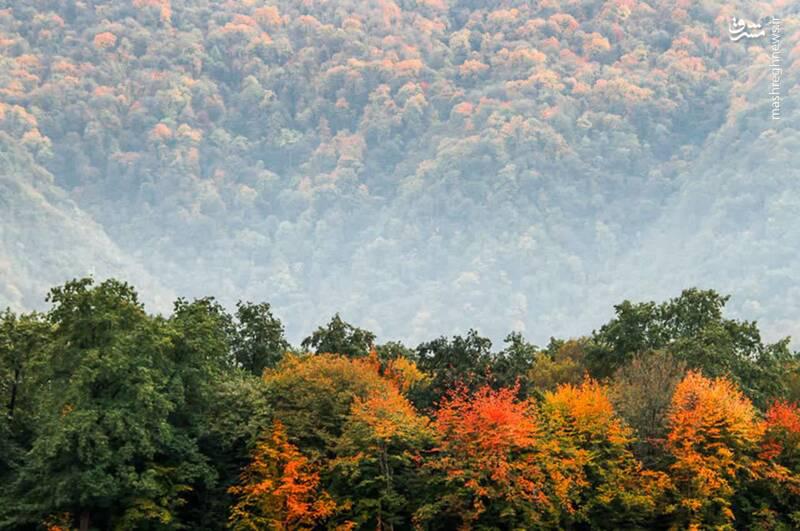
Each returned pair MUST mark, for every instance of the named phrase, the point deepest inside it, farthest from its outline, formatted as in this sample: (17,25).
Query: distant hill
(420,166)
(45,237)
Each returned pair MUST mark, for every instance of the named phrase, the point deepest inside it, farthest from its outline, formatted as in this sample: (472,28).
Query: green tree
(693,329)
(202,373)
(22,339)
(462,360)
(562,362)
(258,340)
(104,447)
(340,337)
(511,366)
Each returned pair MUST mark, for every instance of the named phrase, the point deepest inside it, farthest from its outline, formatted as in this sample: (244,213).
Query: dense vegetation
(407,162)
(670,415)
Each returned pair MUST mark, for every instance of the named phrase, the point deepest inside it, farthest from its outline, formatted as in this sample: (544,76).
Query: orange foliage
(163,6)
(714,429)
(105,40)
(782,430)
(63,66)
(589,409)
(464,108)
(588,456)
(408,67)
(785,416)
(240,24)
(268,16)
(279,488)
(487,448)
(58,522)
(549,112)
(472,67)
(103,90)
(503,16)
(564,21)
(388,415)
(161,132)
(596,44)
(389,10)
(192,135)
(309,22)
(487,424)
(527,56)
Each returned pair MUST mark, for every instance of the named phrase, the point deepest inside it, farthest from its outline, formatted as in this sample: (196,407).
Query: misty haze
(476,187)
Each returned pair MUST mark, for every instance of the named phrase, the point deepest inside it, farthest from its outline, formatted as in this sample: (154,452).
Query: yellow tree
(714,433)
(313,395)
(596,478)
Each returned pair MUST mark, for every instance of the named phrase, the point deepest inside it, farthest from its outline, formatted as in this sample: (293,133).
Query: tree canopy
(117,418)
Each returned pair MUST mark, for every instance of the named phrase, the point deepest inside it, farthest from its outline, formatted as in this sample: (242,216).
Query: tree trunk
(13,401)
(84,524)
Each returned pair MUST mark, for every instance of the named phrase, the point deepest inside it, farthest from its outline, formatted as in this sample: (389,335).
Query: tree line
(668,416)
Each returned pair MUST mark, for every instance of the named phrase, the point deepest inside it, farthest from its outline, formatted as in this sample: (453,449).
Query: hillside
(44,236)
(421,166)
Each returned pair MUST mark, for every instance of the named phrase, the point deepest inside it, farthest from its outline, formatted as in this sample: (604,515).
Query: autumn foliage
(279,488)
(563,459)
(601,482)
(209,420)
(488,454)
(714,435)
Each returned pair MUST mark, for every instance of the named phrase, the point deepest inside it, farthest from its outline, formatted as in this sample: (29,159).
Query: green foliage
(116,418)
(258,341)
(692,328)
(340,337)
(460,361)
(312,396)
(104,446)
(22,338)
(563,362)
(512,365)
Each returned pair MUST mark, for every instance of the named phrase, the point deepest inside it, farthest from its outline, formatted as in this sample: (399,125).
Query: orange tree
(377,459)
(487,462)
(358,427)
(714,436)
(774,499)
(279,488)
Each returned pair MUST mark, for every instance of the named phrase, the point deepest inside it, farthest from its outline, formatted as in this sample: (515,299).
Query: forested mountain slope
(419,165)
(44,236)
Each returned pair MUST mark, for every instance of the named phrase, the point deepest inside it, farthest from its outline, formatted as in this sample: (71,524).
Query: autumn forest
(671,415)
(399,264)
(421,166)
